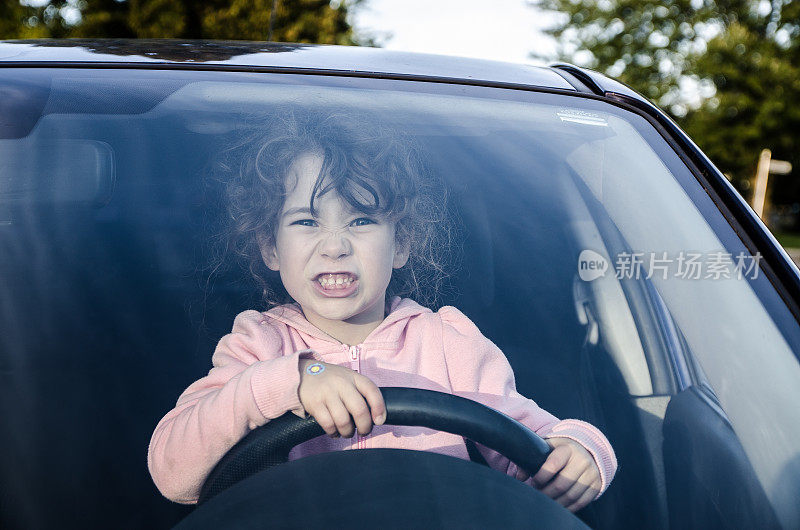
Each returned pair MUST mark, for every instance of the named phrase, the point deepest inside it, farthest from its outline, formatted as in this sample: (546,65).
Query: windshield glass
(582,246)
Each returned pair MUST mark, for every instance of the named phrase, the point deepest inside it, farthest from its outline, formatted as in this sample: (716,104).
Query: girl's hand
(335,396)
(569,475)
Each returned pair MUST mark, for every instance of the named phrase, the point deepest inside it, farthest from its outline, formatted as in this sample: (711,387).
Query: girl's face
(337,266)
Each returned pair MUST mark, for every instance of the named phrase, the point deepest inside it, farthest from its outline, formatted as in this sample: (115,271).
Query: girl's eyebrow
(301,209)
(306,209)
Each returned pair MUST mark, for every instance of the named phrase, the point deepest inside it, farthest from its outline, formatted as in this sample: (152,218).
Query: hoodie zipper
(355,362)
(355,365)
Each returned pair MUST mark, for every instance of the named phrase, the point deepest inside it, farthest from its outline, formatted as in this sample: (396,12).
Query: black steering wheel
(269,445)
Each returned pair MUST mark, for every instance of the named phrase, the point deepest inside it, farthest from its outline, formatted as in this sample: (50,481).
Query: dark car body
(105,317)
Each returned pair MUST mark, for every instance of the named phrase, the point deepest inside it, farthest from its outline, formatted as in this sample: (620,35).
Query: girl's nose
(335,245)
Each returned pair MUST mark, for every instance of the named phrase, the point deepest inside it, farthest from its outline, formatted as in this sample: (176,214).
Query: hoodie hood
(401,310)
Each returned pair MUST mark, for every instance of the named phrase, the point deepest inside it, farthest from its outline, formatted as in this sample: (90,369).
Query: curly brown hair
(361,156)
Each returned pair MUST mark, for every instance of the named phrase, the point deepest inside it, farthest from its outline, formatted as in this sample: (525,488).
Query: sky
(502,30)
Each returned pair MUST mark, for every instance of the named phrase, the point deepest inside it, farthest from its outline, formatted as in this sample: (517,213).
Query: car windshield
(585,248)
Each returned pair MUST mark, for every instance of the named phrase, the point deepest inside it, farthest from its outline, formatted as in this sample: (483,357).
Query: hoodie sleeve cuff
(593,441)
(274,384)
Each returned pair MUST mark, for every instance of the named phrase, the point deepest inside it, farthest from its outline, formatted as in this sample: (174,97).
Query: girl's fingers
(325,420)
(340,417)
(522,475)
(355,404)
(374,398)
(587,497)
(565,479)
(575,492)
(555,462)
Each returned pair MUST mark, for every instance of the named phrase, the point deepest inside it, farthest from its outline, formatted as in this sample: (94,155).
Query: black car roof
(350,59)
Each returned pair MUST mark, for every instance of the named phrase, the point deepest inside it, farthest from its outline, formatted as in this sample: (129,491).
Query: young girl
(339,219)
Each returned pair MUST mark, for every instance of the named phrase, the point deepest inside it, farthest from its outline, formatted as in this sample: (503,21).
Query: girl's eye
(362,221)
(304,222)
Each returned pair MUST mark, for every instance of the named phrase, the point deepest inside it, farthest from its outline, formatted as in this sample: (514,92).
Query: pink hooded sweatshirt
(255,378)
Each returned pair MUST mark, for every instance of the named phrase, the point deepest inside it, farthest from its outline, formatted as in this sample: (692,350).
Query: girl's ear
(268,253)
(401,253)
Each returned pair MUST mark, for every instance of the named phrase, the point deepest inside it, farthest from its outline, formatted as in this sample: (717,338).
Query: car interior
(113,303)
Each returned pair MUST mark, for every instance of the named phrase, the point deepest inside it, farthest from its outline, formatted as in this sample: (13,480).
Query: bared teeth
(335,281)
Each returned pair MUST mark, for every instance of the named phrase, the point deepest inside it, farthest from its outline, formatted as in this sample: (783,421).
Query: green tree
(755,106)
(12,18)
(744,55)
(305,21)
(18,21)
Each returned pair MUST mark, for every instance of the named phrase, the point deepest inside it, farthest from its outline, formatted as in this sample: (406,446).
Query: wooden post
(762,174)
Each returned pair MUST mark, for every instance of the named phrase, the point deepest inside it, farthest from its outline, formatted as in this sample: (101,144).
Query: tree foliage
(744,55)
(305,21)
